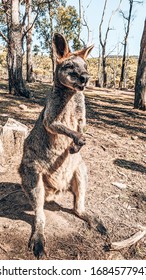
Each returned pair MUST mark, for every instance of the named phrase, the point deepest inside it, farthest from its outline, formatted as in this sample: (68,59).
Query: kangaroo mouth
(79,87)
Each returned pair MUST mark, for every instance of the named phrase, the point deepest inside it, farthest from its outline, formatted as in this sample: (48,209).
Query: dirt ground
(115,153)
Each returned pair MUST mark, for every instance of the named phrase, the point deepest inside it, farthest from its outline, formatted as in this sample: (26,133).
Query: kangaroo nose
(84,78)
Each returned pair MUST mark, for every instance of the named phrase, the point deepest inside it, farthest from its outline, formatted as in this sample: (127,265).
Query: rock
(23,107)
(134,137)
(12,136)
(119,185)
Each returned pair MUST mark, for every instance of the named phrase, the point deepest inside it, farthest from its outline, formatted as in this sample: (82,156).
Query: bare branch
(86,25)
(123,15)
(3,36)
(88,4)
(138,2)
(41,3)
(115,48)
(113,13)
(100,26)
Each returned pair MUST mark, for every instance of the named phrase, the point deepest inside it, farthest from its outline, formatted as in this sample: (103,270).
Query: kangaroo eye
(73,75)
(68,66)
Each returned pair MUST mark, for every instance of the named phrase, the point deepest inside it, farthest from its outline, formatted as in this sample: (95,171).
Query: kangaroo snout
(84,78)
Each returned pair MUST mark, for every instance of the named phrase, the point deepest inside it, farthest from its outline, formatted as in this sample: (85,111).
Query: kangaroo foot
(100,227)
(37,245)
(93,222)
(85,217)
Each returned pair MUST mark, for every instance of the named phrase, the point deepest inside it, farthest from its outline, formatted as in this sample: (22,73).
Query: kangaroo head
(71,68)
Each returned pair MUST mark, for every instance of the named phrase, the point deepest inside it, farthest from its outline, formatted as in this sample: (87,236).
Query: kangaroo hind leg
(33,186)
(78,187)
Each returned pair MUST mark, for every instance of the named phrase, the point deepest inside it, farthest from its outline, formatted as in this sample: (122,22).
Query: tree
(140,85)
(44,26)
(15,34)
(14,44)
(68,23)
(55,16)
(127,29)
(128,20)
(103,42)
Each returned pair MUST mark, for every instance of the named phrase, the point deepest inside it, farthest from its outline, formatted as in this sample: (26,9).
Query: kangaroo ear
(60,46)
(85,52)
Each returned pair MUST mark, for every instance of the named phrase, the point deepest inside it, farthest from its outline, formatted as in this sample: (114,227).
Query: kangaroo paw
(74,149)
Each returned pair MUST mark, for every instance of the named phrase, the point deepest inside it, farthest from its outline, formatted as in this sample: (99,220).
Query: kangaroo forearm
(60,129)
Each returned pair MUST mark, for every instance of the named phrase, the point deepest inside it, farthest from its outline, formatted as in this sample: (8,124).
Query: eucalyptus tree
(14,39)
(140,84)
(14,35)
(103,41)
(128,18)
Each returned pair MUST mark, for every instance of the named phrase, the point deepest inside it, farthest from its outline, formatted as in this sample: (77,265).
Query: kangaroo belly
(58,179)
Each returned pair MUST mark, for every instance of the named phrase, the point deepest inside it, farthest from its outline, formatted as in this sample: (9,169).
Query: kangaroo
(51,161)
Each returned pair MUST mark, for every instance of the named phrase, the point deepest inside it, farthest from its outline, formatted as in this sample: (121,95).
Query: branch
(3,36)
(128,242)
(115,48)
(37,13)
(123,15)
(26,31)
(113,13)
(88,4)
(86,25)
(24,18)
(138,2)
(100,26)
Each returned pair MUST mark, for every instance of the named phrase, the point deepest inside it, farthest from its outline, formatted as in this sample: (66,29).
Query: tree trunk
(104,73)
(50,41)
(14,56)
(123,66)
(125,43)
(140,85)
(29,65)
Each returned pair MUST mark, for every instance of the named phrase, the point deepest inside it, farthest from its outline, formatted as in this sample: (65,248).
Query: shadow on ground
(116,115)
(130,165)
(15,207)
(9,104)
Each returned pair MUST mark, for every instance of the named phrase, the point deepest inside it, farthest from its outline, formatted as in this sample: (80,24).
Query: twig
(2,248)
(3,36)
(112,196)
(91,135)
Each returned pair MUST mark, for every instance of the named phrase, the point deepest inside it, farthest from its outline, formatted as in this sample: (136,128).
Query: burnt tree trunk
(140,84)
(14,55)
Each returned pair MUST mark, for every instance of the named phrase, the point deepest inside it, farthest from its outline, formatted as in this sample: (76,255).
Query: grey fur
(51,160)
